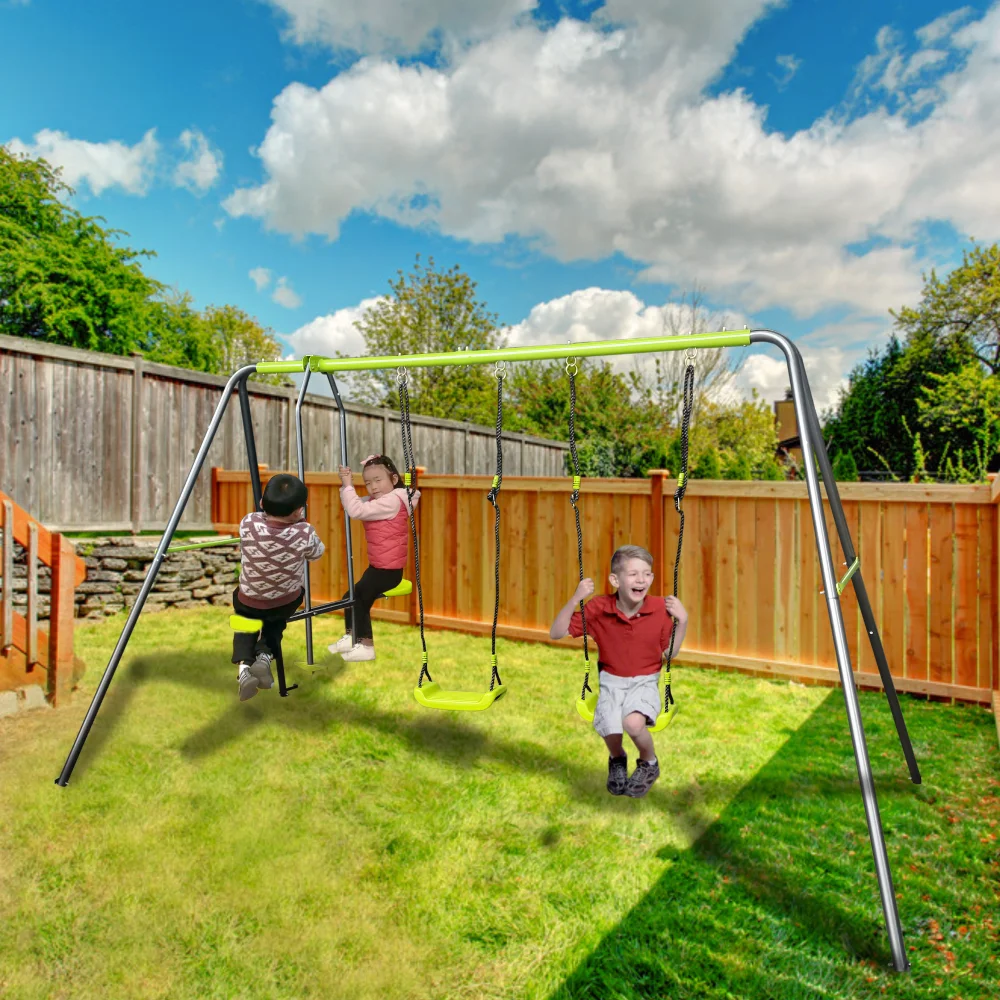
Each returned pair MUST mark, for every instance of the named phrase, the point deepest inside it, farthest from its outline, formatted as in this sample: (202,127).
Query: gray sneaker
(248,683)
(617,774)
(261,669)
(642,779)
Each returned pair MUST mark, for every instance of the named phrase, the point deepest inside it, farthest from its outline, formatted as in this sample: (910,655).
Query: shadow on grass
(778,897)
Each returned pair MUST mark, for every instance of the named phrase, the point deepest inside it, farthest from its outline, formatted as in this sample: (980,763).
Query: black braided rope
(411,469)
(668,698)
(492,497)
(573,499)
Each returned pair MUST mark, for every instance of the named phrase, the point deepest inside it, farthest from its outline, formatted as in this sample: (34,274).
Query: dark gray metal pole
(854,721)
(147,584)
(871,626)
(342,416)
(249,438)
(300,455)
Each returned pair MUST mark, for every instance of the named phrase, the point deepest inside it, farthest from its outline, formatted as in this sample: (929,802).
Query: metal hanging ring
(401,375)
(500,370)
(571,367)
(692,355)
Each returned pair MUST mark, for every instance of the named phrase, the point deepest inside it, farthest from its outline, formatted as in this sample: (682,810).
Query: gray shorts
(621,696)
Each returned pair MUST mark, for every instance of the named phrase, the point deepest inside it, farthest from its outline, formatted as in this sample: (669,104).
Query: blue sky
(587,163)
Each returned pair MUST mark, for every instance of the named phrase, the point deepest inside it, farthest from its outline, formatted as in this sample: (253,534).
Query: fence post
(414,605)
(995,651)
(62,608)
(657,478)
(135,493)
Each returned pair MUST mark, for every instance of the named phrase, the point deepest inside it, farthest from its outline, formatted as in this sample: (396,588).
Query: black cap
(283,495)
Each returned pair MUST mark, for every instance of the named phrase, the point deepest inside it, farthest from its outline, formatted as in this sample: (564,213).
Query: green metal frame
(590,349)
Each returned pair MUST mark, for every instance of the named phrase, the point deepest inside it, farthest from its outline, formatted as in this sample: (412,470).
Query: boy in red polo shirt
(632,632)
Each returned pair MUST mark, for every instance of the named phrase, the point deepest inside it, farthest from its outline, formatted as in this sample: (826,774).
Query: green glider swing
(586,704)
(431,694)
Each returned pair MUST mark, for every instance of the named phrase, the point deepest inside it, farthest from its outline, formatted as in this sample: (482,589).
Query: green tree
(179,335)
(63,278)
(964,307)
(241,340)
(430,311)
(770,470)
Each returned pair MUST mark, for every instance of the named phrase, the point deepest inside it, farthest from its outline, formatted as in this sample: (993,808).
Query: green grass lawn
(345,843)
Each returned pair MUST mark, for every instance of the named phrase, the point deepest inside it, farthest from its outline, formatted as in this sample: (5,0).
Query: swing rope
(574,497)
(410,481)
(682,481)
(500,373)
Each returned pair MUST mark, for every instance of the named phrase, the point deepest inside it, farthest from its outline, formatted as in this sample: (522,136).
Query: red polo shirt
(628,647)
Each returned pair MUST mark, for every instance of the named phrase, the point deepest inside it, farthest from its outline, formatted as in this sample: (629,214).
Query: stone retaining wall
(116,568)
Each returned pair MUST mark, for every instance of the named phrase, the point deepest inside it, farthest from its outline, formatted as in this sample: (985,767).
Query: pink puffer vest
(387,539)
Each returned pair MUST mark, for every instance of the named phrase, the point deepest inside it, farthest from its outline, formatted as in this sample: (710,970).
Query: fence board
(893,627)
(966,570)
(917,591)
(942,532)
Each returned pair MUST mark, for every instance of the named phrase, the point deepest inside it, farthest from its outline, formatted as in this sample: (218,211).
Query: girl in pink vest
(387,527)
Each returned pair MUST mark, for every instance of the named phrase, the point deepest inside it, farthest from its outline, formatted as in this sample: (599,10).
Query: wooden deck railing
(28,653)
(749,577)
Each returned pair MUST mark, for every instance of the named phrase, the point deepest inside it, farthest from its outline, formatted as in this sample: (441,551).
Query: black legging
(246,645)
(373,583)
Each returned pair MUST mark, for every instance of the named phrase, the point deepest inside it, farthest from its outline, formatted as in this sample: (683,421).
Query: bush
(771,471)
(738,467)
(708,465)
(845,469)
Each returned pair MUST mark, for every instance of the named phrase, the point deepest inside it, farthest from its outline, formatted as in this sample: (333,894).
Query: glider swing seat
(428,692)
(586,704)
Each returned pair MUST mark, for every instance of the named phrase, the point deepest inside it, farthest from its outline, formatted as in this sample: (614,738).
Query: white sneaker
(344,645)
(248,683)
(360,652)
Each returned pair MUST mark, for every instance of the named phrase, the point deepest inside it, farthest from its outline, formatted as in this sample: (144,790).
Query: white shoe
(360,652)
(344,645)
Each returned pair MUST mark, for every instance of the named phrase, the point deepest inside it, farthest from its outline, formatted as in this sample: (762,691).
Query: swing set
(429,692)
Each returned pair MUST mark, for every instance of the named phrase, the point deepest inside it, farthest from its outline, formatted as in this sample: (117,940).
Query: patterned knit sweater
(274,555)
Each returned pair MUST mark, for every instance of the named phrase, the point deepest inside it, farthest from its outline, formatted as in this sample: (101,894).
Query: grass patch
(343,842)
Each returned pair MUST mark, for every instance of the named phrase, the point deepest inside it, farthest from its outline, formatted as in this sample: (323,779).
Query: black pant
(246,645)
(373,583)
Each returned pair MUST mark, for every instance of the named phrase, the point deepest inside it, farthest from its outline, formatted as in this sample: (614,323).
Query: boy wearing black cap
(275,544)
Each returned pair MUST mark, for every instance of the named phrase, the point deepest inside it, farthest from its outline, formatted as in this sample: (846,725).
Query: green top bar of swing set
(543,352)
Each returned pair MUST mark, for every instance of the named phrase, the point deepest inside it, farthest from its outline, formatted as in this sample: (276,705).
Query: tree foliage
(925,405)
(429,311)
(63,277)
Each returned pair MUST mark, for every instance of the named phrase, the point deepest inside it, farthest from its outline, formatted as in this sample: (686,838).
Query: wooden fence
(98,442)
(28,654)
(749,576)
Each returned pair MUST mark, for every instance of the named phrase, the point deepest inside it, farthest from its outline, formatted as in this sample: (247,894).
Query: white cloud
(789,66)
(203,165)
(285,295)
(261,277)
(99,165)
(590,140)
(332,334)
(396,26)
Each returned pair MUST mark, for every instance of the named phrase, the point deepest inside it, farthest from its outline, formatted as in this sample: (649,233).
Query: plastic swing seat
(402,589)
(432,695)
(587,706)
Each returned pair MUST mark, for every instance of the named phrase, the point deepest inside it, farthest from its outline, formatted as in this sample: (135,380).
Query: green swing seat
(432,695)
(402,589)
(588,705)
